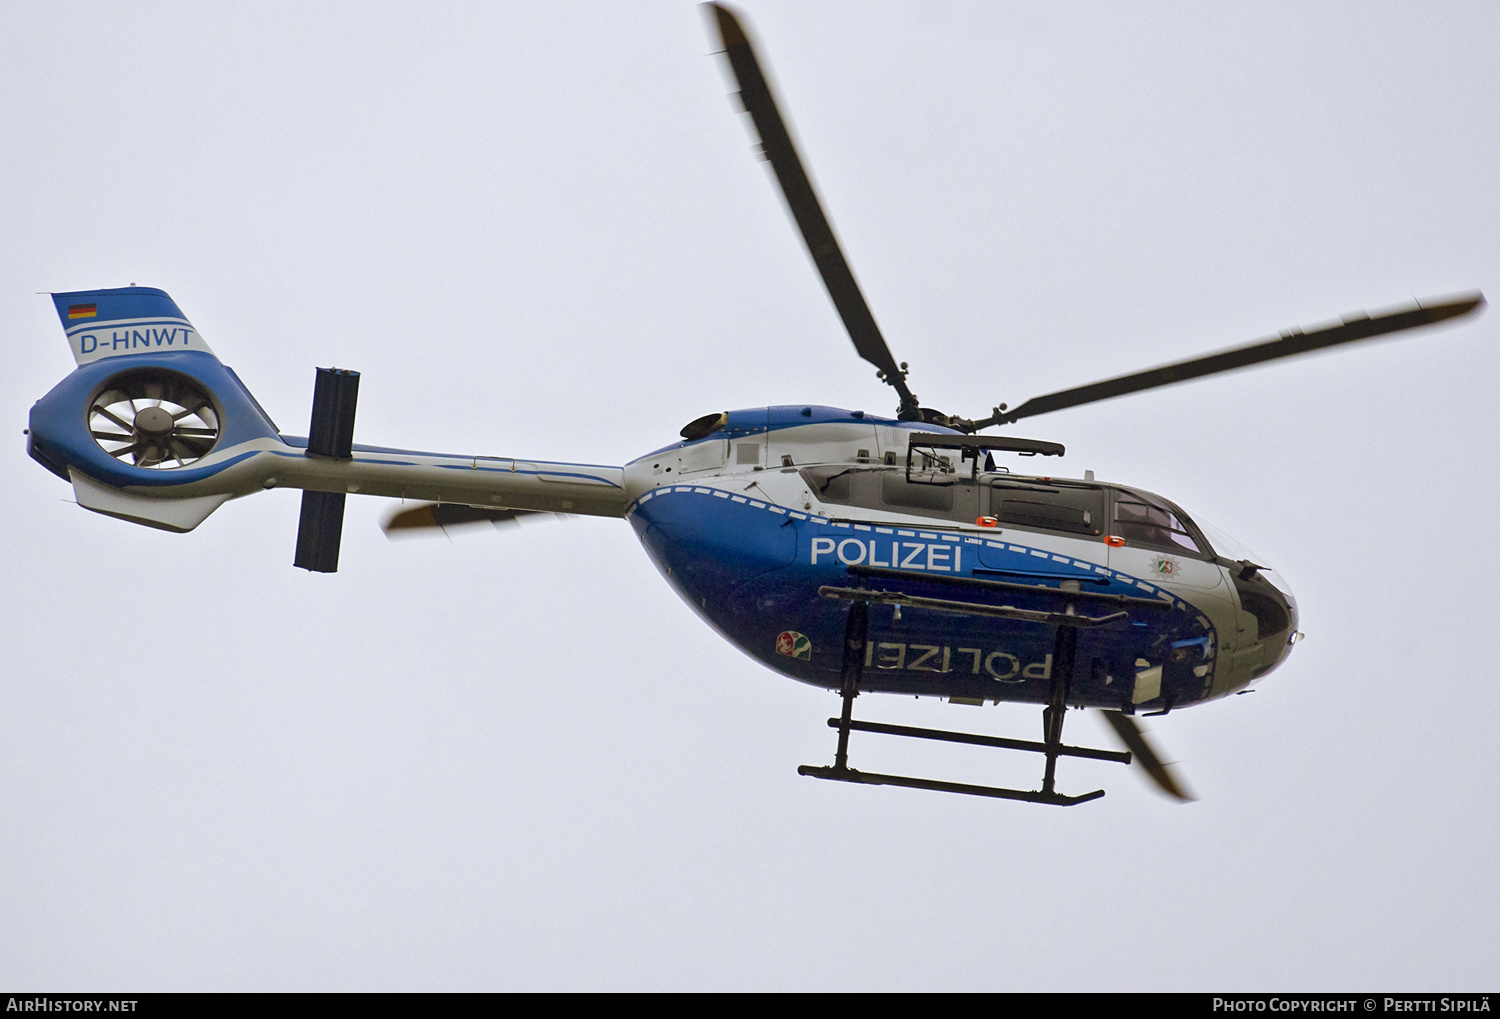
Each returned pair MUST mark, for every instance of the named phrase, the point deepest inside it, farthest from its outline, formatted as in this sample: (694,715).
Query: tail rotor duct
(153,418)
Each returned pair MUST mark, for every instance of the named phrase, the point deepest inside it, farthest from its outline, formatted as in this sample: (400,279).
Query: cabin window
(1053,507)
(1148,520)
(926,494)
(917,494)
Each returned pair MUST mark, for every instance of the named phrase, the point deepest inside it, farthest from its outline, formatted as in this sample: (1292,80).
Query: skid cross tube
(856,630)
(1002,742)
(1064,652)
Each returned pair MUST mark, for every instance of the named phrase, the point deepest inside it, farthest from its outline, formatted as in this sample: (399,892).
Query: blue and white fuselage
(747,521)
(746,526)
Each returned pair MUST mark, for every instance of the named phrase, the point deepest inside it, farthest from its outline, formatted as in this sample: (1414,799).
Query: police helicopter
(857,553)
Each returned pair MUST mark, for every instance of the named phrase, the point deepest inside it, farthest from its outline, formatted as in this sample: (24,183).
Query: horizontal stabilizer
(320,532)
(331,435)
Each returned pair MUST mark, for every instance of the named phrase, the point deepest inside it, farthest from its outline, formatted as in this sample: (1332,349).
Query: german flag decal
(82,310)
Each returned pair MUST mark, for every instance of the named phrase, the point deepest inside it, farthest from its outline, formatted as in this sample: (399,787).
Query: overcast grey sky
(515,760)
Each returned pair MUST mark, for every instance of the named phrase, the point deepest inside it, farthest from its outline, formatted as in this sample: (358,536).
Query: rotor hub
(153,423)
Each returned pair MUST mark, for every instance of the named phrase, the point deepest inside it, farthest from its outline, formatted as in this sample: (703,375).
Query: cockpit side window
(1148,520)
(832,484)
(1075,509)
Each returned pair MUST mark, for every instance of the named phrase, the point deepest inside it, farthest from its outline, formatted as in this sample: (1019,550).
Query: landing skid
(873,778)
(841,772)
(1052,746)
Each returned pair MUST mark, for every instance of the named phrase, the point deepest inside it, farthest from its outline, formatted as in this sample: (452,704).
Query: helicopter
(852,552)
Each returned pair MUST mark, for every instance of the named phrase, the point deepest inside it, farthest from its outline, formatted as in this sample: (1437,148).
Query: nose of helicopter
(1264,595)
(1275,609)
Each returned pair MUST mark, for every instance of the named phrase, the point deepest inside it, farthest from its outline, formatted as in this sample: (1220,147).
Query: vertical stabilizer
(125,320)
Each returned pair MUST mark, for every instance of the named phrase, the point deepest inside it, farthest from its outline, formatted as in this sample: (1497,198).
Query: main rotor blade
(1134,739)
(442,515)
(1288,344)
(797,189)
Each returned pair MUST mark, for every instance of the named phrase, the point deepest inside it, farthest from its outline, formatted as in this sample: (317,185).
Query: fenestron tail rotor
(154,418)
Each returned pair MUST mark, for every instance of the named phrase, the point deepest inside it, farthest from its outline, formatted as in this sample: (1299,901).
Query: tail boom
(151,427)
